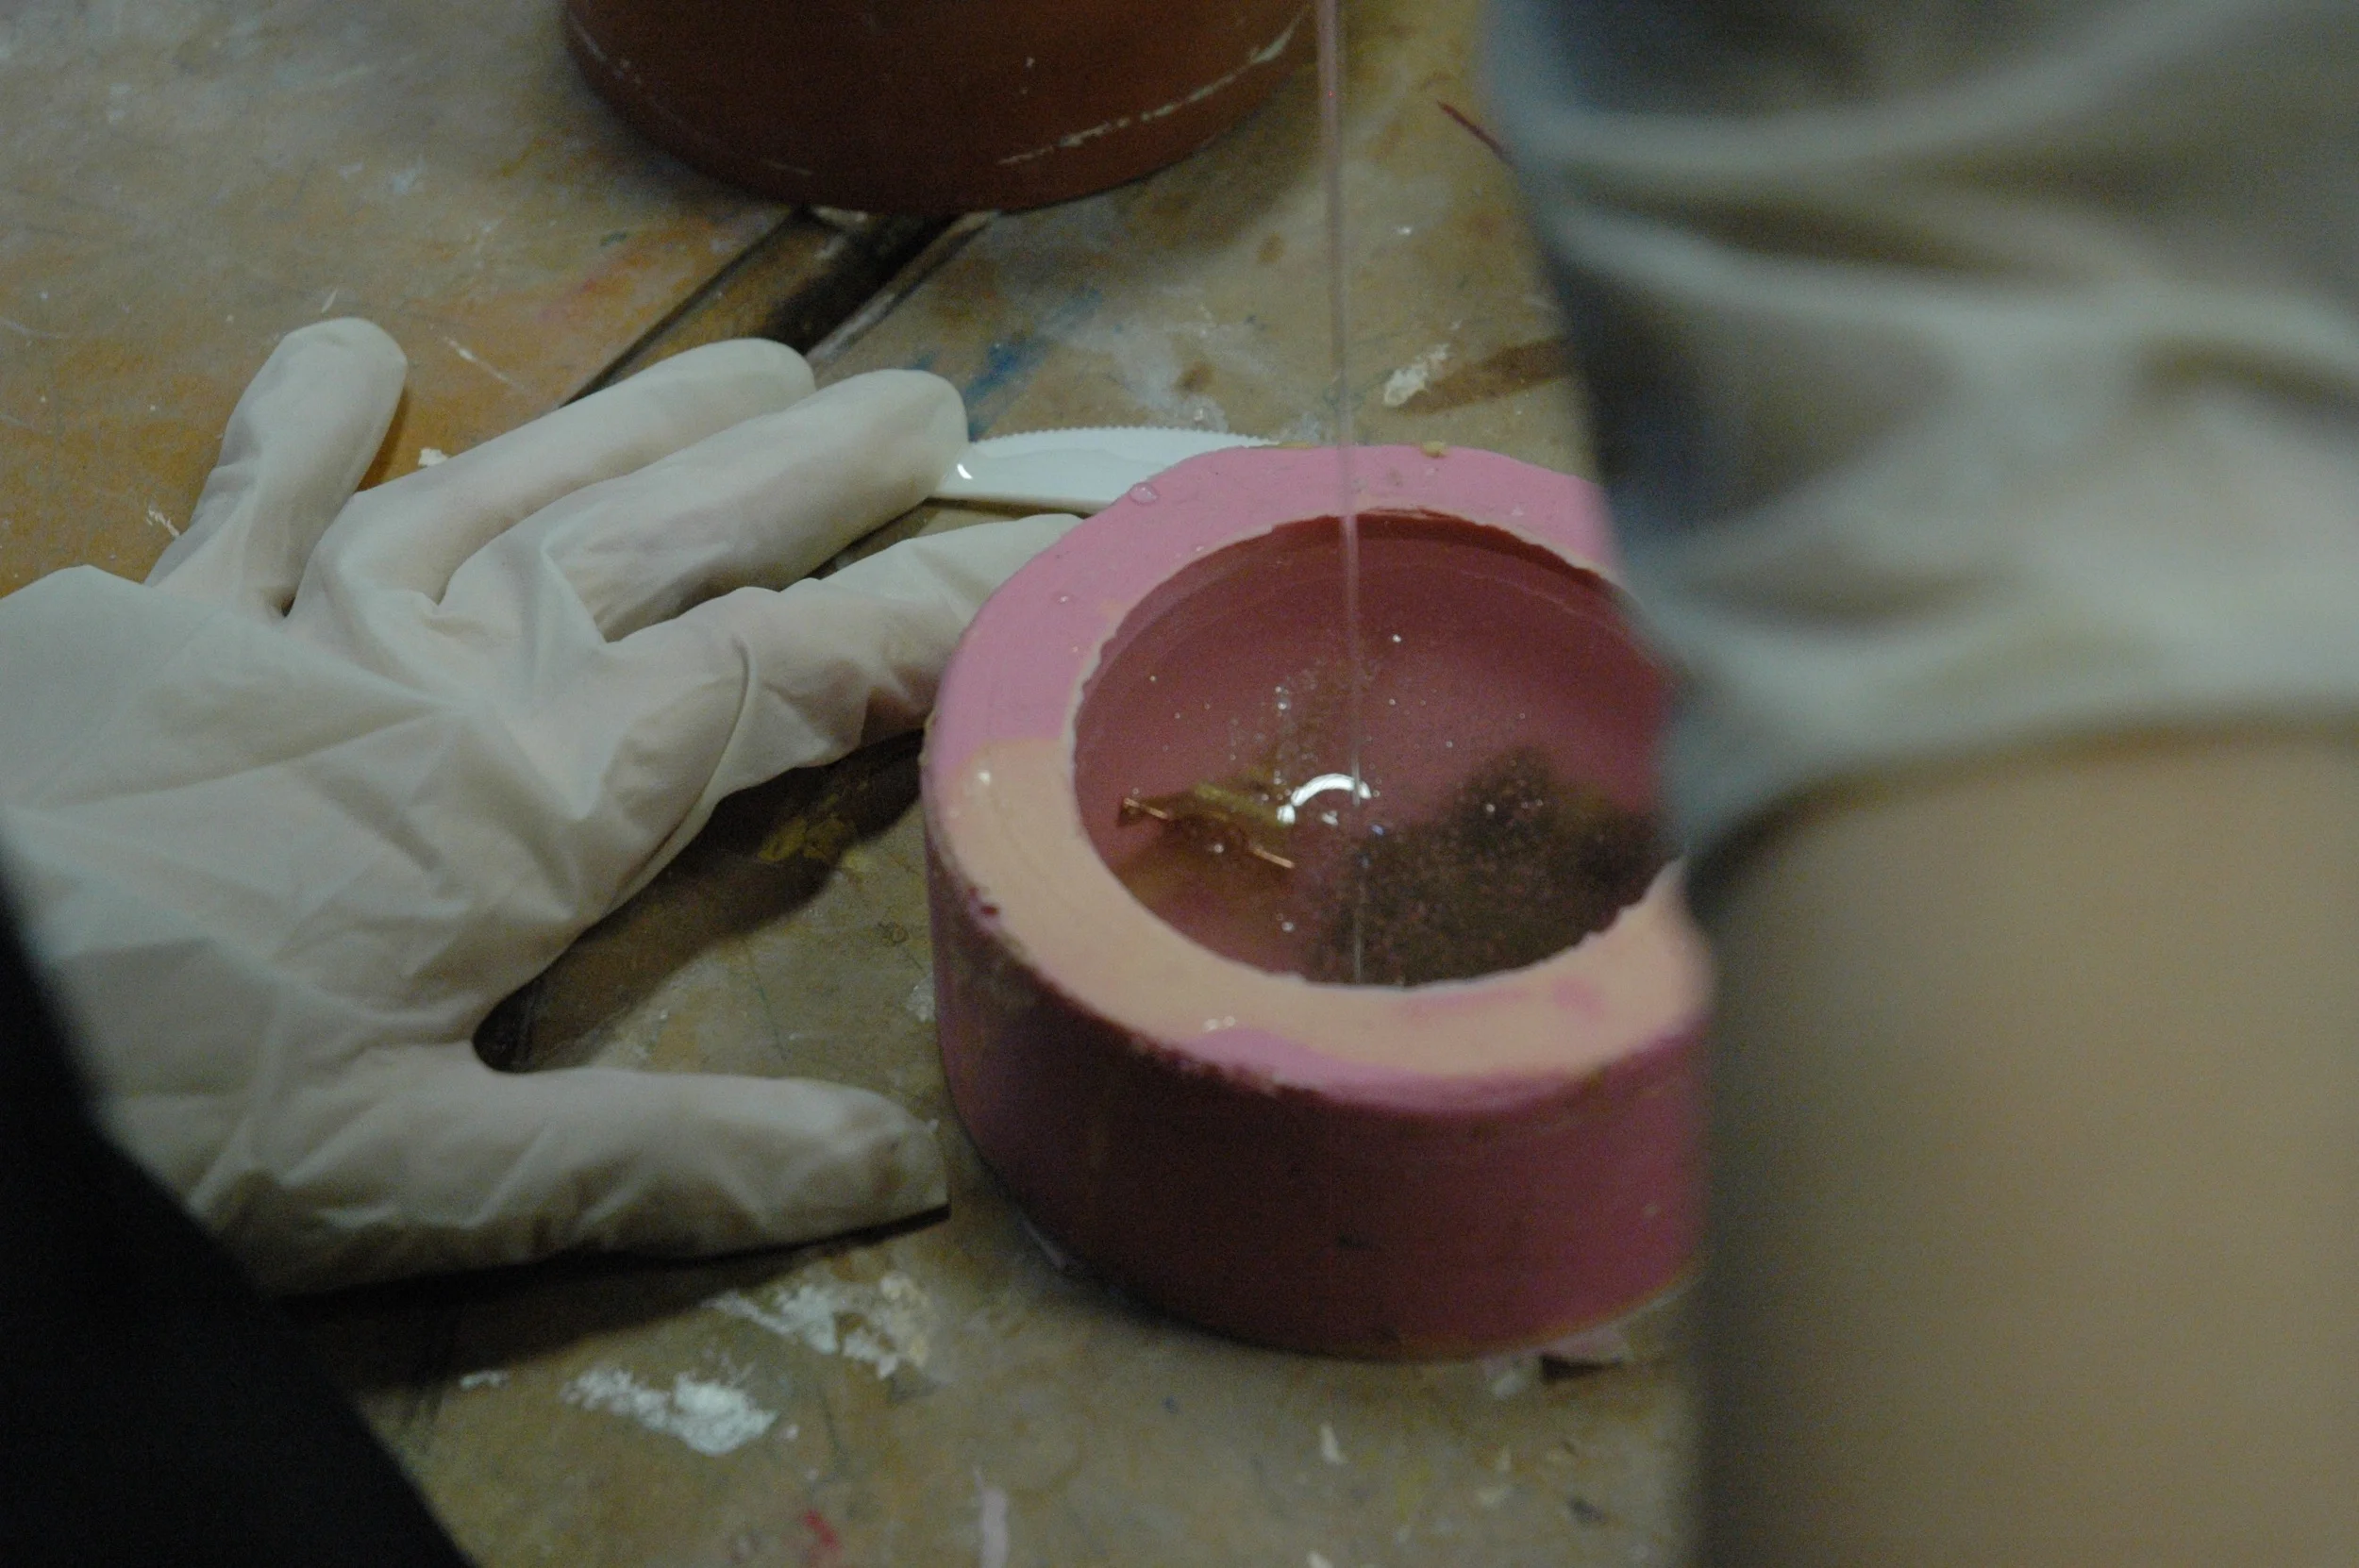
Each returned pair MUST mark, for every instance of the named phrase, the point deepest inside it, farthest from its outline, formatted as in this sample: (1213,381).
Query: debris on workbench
(1414,377)
(1510,1375)
(890,1332)
(1063,1261)
(992,1524)
(711,1418)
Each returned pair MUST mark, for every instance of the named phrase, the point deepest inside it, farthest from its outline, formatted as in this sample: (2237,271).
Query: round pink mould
(1437,1170)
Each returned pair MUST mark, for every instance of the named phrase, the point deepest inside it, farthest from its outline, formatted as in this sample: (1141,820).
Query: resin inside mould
(1507,767)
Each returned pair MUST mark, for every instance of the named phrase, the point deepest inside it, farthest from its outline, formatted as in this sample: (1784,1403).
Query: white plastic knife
(1078,470)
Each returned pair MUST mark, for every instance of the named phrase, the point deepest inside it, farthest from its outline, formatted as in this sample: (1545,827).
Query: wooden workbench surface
(186,180)
(183,181)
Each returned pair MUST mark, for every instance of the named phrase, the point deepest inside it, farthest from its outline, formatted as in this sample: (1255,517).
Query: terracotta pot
(934,105)
(1442,1169)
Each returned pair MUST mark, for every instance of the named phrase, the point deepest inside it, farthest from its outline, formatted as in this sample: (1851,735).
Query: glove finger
(301,436)
(763,503)
(451,1165)
(414,532)
(756,682)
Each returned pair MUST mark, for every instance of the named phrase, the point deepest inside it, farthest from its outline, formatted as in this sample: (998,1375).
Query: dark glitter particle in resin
(1519,865)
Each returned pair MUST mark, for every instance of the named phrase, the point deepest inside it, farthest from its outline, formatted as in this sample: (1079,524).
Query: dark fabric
(156,1409)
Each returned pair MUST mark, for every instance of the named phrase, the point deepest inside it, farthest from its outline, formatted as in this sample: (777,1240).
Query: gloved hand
(290,818)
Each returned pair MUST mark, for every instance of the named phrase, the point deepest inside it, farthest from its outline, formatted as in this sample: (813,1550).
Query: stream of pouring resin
(1330,31)
(1290,863)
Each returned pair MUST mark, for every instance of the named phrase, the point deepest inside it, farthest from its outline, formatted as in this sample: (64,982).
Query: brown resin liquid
(1516,864)
(1507,786)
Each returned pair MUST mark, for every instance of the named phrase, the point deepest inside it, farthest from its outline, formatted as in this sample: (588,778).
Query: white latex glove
(289,819)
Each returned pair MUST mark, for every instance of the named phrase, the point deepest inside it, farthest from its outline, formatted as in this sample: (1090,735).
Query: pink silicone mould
(1440,1170)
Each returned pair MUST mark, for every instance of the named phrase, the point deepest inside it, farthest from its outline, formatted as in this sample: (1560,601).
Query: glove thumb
(456,1166)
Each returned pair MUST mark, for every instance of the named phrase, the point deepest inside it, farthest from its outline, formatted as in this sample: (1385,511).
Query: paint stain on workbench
(1006,363)
(1009,362)
(825,1545)
(1509,370)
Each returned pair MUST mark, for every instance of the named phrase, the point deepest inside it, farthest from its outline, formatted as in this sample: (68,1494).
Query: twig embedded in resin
(1256,812)
(1252,813)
